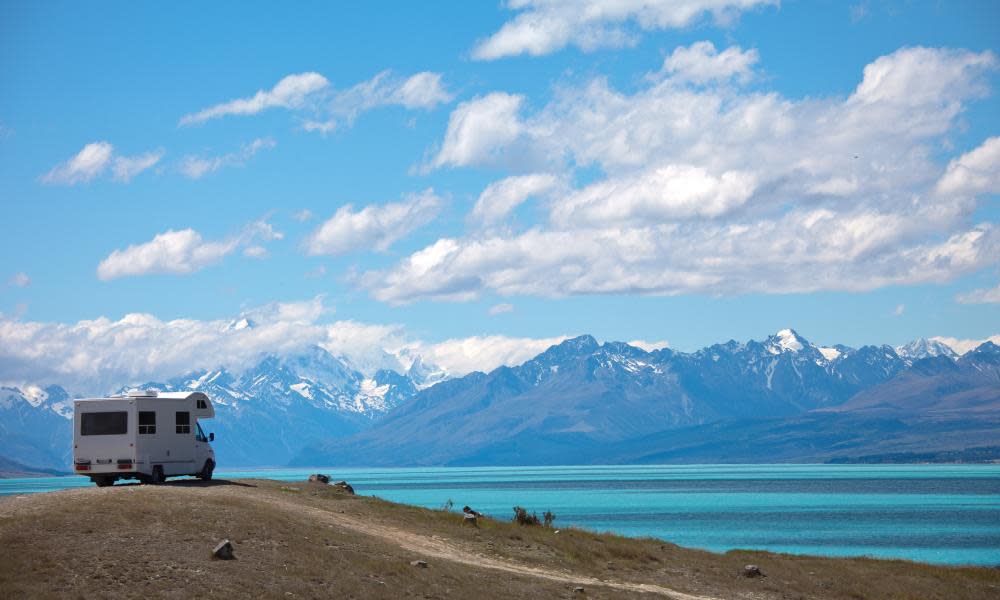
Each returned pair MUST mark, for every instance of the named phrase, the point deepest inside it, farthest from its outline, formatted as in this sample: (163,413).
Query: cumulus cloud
(545,26)
(973,173)
(481,130)
(196,167)
(483,353)
(701,62)
(499,309)
(179,252)
(19,279)
(980,296)
(961,346)
(292,91)
(373,227)
(90,162)
(703,187)
(501,197)
(101,355)
(664,193)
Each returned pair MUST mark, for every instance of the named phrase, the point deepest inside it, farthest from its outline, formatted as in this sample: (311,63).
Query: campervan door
(165,436)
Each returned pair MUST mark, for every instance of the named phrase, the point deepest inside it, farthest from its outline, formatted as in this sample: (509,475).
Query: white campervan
(145,435)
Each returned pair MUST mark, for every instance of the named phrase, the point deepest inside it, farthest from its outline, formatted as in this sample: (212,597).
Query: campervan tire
(104,481)
(157,477)
(206,471)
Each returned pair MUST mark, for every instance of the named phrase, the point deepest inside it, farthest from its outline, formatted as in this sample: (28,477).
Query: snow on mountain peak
(787,340)
(925,348)
(829,353)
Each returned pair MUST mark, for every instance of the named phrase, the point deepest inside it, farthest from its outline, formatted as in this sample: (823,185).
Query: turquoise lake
(948,514)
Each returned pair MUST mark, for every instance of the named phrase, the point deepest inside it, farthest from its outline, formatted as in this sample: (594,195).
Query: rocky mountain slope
(584,402)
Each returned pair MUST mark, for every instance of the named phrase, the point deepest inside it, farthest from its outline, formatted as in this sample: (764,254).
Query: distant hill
(10,468)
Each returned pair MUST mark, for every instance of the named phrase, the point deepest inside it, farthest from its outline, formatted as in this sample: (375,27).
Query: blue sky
(681,162)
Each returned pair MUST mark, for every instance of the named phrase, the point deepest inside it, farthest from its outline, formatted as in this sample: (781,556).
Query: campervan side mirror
(211,437)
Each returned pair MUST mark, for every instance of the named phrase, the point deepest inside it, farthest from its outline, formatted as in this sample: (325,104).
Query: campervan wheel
(157,477)
(206,471)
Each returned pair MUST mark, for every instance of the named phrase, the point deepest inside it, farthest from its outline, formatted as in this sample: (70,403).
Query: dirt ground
(306,540)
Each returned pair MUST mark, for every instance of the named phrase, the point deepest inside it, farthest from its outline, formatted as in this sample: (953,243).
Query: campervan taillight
(125,463)
(82,465)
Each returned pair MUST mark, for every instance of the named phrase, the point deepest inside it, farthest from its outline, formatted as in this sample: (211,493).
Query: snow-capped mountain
(573,402)
(268,412)
(925,348)
(583,401)
(35,425)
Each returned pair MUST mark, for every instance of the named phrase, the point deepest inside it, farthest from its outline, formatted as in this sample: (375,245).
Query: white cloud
(712,189)
(545,26)
(19,279)
(312,94)
(100,355)
(502,197)
(480,130)
(702,63)
(303,215)
(649,346)
(980,296)
(899,310)
(181,252)
(94,159)
(961,346)
(664,193)
(483,353)
(973,173)
(374,226)
(196,167)
(499,309)
(127,167)
(423,90)
(86,165)
(293,91)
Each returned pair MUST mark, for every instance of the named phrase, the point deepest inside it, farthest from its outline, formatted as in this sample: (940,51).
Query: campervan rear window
(103,423)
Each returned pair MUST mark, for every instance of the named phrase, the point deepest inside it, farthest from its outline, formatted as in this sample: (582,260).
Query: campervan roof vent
(142,393)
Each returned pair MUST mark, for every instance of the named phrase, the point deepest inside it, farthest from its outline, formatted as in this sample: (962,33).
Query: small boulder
(319,478)
(752,571)
(224,551)
(419,563)
(579,589)
(345,486)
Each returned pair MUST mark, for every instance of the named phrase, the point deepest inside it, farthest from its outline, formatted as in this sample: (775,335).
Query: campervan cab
(145,435)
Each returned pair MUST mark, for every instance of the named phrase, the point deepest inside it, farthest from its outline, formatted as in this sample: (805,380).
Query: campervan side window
(104,423)
(202,405)
(147,422)
(184,422)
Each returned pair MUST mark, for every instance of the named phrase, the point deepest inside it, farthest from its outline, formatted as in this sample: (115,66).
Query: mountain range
(777,400)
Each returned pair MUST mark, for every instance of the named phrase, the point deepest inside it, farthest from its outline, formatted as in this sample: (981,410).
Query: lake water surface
(946,514)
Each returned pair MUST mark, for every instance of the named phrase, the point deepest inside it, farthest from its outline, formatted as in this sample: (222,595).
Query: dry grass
(302,540)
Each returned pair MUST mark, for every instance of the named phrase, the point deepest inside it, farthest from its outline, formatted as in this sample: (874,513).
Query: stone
(579,589)
(319,478)
(752,571)
(224,551)
(419,563)
(345,486)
